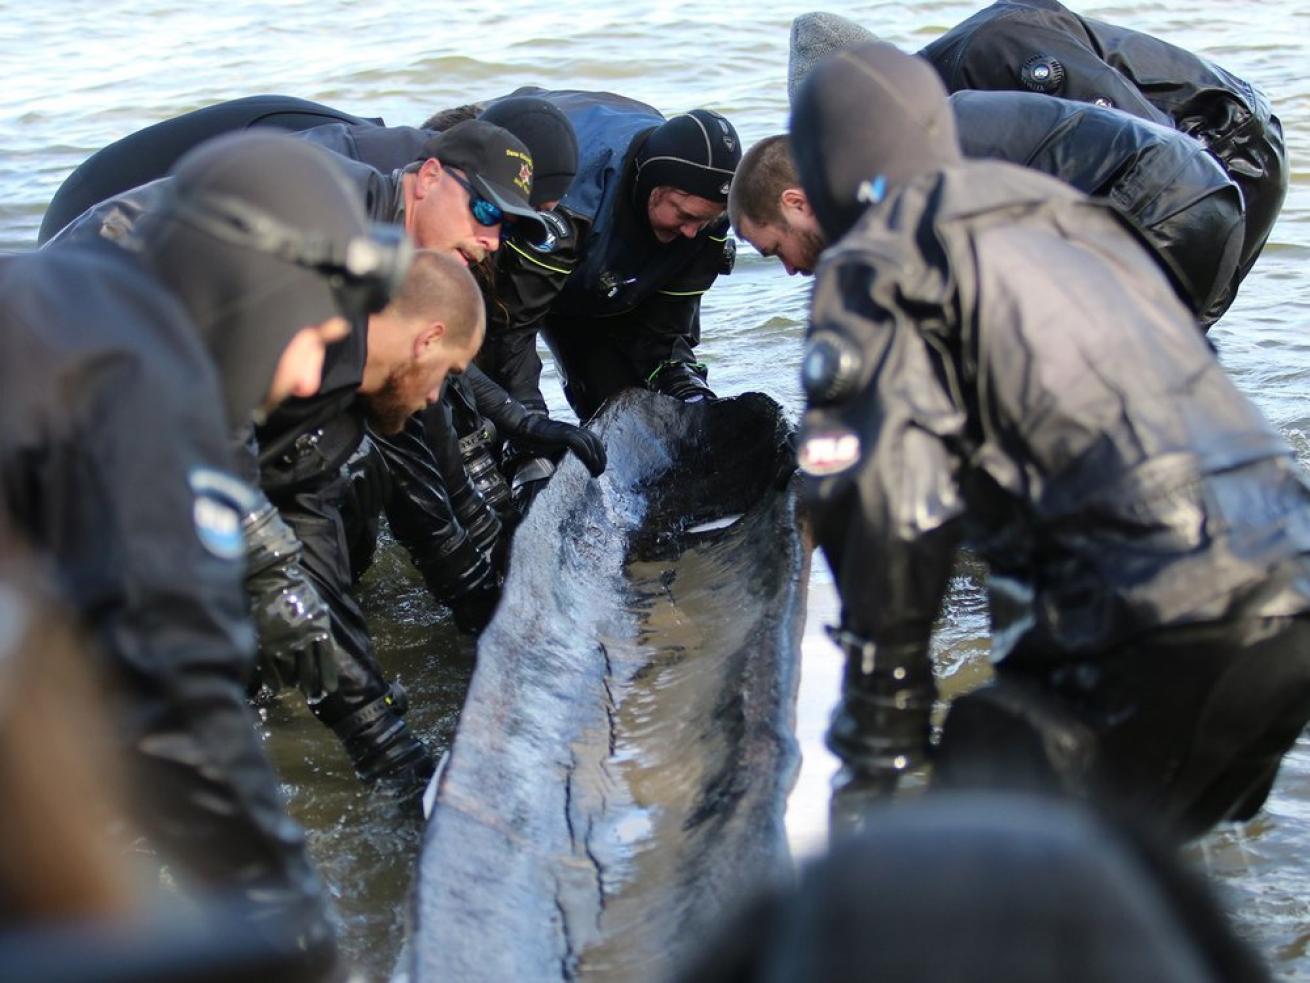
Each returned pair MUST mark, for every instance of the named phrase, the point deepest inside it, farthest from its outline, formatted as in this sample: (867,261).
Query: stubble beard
(389,408)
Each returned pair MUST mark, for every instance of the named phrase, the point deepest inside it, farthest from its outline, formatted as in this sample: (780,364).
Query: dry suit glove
(530,478)
(539,432)
(296,647)
(473,611)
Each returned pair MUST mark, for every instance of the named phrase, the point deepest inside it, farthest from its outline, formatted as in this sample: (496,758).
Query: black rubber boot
(381,746)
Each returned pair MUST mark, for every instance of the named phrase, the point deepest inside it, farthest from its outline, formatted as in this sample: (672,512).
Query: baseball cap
(496,162)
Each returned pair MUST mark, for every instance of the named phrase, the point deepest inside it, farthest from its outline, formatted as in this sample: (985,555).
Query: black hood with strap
(865,120)
(248,303)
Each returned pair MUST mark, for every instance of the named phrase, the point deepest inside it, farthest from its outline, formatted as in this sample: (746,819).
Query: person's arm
(535,432)
(423,519)
(662,332)
(294,628)
(525,278)
(881,485)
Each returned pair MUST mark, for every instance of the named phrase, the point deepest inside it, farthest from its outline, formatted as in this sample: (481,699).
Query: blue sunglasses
(484,212)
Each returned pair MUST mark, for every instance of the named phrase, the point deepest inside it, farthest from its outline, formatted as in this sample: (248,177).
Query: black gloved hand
(530,479)
(540,432)
(296,647)
(473,611)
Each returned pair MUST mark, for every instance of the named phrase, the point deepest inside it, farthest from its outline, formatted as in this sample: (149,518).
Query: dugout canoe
(620,770)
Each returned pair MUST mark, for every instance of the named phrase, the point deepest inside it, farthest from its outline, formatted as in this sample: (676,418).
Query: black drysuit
(115,464)
(1017,376)
(148,153)
(617,307)
(1043,46)
(302,449)
(1166,183)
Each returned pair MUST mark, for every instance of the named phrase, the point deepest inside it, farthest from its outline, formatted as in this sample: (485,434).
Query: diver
(491,434)
(988,887)
(1162,181)
(302,447)
(634,242)
(395,151)
(379,387)
(119,397)
(994,361)
(148,153)
(520,283)
(615,284)
(1042,46)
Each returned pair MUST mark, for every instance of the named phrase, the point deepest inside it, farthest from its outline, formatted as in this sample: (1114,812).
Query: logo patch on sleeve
(216,511)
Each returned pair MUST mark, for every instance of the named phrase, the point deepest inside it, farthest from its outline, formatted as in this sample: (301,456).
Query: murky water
(80,74)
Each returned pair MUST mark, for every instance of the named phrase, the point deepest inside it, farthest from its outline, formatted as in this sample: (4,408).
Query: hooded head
(866,120)
(256,241)
(696,152)
(1025,889)
(549,137)
(815,36)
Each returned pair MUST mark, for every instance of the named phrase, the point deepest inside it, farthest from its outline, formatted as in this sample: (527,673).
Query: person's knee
(1011,735)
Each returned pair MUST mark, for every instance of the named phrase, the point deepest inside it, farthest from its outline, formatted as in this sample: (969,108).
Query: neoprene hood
(248,304)
(548,135)
(866,120)
(814,36)
(697,152)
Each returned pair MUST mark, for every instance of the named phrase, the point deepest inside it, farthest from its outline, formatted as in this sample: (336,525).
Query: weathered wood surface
(622,762)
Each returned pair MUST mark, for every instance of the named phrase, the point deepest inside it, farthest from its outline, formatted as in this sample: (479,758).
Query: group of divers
(252,330)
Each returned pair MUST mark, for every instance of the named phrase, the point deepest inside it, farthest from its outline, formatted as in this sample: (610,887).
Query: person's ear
(428,176)
(793,199)
(429,339)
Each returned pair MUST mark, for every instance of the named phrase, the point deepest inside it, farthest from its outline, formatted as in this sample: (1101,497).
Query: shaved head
(440,287)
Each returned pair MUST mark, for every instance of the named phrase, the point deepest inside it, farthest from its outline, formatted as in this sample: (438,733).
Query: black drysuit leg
(364,712)
(421,516)
(210,797)
(1187,727)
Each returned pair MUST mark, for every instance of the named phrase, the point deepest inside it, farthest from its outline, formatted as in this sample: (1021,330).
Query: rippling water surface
(81,74)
